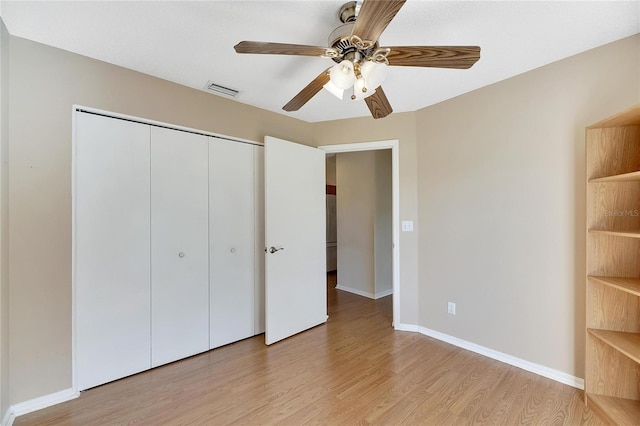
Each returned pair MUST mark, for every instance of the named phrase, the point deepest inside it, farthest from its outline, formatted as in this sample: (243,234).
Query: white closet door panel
(258,160)
(232,222)
(112,243)
(179,245)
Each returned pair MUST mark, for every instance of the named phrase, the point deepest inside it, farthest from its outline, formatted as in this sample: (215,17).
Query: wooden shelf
(617,411)
(625,343)
(628,234)
(626,284)
(625,177)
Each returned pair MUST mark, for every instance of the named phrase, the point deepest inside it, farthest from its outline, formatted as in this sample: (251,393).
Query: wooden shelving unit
(612,376)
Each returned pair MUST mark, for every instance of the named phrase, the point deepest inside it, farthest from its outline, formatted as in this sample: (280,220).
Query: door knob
(275,249)
(181,254)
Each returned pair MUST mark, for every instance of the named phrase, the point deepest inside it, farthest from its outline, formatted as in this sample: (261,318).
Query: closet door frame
(394,146)
(81,109)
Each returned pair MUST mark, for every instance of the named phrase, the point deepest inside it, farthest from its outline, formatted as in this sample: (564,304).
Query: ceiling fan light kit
(343,74)
(361,64)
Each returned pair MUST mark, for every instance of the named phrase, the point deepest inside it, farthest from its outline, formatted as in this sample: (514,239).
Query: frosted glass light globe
(335,91)
(373,73)
(342,75)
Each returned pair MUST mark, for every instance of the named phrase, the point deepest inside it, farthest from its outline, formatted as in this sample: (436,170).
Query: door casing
(394,145)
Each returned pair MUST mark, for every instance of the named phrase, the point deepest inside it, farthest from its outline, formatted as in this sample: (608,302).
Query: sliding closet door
(231,212)
(112,249)
(179,245)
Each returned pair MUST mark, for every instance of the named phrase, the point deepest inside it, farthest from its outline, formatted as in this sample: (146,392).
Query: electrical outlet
(451,308)
(407,226)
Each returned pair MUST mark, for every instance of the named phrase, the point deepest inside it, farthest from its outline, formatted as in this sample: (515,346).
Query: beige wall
(502,204)
(383,222)
(400,126)
(45,83)
(364,218)
(4,219)
(355,209)
(330,170)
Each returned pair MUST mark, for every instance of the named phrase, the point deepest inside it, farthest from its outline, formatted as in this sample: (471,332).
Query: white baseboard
(8,418)
(365,293)
(384,293)
(407,327)
(39,403)
(532,367)
(355,291)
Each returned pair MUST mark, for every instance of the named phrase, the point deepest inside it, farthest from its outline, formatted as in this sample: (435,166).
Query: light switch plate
(407,226)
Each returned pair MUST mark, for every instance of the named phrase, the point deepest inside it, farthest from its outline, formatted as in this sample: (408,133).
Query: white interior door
(295,271)
(179,245)
(112,249)
(231,200)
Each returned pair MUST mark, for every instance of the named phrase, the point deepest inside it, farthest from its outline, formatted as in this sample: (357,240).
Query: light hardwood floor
(354,370)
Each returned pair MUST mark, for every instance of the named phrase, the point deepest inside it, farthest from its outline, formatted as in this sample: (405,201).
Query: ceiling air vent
(217,89)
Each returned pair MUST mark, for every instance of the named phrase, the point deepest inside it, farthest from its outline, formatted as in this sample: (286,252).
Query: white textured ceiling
(192,42)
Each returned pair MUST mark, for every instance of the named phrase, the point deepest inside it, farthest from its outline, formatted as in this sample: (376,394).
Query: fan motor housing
(340,39)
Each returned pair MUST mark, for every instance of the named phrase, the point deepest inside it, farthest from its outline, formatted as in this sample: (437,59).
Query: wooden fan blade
(308,92)
(279,49)
(374,17)
(462,57)
(379,104)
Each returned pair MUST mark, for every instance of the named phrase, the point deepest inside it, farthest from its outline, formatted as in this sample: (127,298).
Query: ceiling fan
(360,62)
